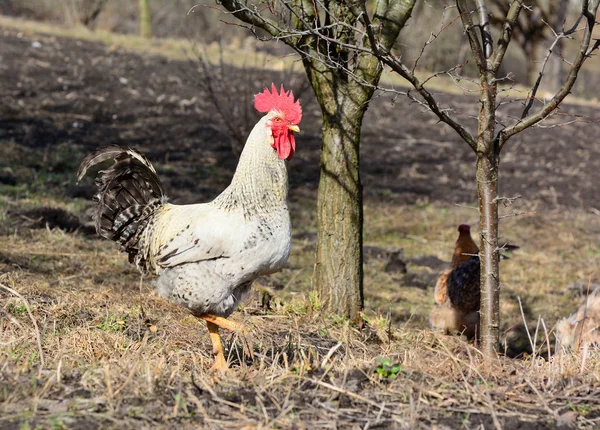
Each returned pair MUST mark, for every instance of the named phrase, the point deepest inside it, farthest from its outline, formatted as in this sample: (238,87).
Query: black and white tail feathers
(129,193)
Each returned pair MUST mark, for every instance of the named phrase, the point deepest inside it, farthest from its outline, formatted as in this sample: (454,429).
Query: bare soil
(72,94)
(114,360)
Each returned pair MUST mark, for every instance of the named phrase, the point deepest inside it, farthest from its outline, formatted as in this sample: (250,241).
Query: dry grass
(114,354)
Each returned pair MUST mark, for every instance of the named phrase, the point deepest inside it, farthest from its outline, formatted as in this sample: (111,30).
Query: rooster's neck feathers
(260,182)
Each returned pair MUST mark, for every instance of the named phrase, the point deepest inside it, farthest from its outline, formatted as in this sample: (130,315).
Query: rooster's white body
(206,255)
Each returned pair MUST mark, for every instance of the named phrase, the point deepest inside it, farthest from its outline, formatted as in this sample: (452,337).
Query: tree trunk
(343,80)
(338,273)
(487,190)
(145,19)
(488,152)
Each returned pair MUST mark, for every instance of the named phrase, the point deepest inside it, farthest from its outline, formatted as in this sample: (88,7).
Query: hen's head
(283,116)
(464,228)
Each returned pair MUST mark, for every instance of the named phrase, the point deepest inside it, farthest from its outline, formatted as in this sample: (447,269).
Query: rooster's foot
(214,322)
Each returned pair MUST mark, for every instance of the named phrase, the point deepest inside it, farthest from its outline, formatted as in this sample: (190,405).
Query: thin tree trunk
(487,189)
(488,152)
(338,273)
(145,19)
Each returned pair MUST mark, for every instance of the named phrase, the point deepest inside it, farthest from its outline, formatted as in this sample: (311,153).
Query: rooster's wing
(192,233)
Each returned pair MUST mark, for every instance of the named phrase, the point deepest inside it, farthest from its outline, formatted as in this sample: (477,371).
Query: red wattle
(285,144)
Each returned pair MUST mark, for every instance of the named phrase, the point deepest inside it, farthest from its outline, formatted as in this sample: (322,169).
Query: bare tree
(491,137)
(532,28)
(335,41)
(325,34)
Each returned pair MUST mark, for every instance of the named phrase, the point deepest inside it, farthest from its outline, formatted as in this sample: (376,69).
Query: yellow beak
(294,128)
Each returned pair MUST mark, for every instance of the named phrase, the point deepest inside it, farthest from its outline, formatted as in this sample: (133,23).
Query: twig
(532,95)
(542,400)
(55,254)
(583,54)
(133,367)
(378,419)
(525,324)
(330,353)
(547,339)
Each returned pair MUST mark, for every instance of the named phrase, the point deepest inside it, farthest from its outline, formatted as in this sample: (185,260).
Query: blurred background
(204,23)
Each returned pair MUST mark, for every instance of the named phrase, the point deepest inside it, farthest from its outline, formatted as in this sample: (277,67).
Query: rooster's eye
(277,119)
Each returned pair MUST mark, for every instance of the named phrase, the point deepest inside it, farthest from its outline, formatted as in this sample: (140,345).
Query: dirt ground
(72,95)
(61,98)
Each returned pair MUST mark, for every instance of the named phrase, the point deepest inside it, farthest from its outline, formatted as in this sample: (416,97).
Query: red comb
(284,102)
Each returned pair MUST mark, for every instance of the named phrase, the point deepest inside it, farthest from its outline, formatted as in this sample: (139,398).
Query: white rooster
(206,255)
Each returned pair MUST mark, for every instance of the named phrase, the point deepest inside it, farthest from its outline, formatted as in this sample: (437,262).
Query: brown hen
(457,293)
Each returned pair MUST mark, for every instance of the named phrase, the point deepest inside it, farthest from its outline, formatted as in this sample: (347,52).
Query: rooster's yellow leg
(214,322)
(220,361)
(223,323)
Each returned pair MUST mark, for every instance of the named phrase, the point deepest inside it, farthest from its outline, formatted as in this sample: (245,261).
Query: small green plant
(582,410)
(17,353)
(57,424)
(315,303)
(17,309)
(387,369)
(32,359)
(337,320)
(386,193)
(112,323)
(135,411)
(295,307)
(182,408)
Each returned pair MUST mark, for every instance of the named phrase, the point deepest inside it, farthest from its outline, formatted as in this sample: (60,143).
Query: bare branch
(589,13)
(507,30)
(396,65)
(255,18)
(469,28)
(431,39)
(484,26)
(538,81)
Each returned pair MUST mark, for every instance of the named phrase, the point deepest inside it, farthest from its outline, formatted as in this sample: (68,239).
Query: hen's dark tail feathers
(129,193)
